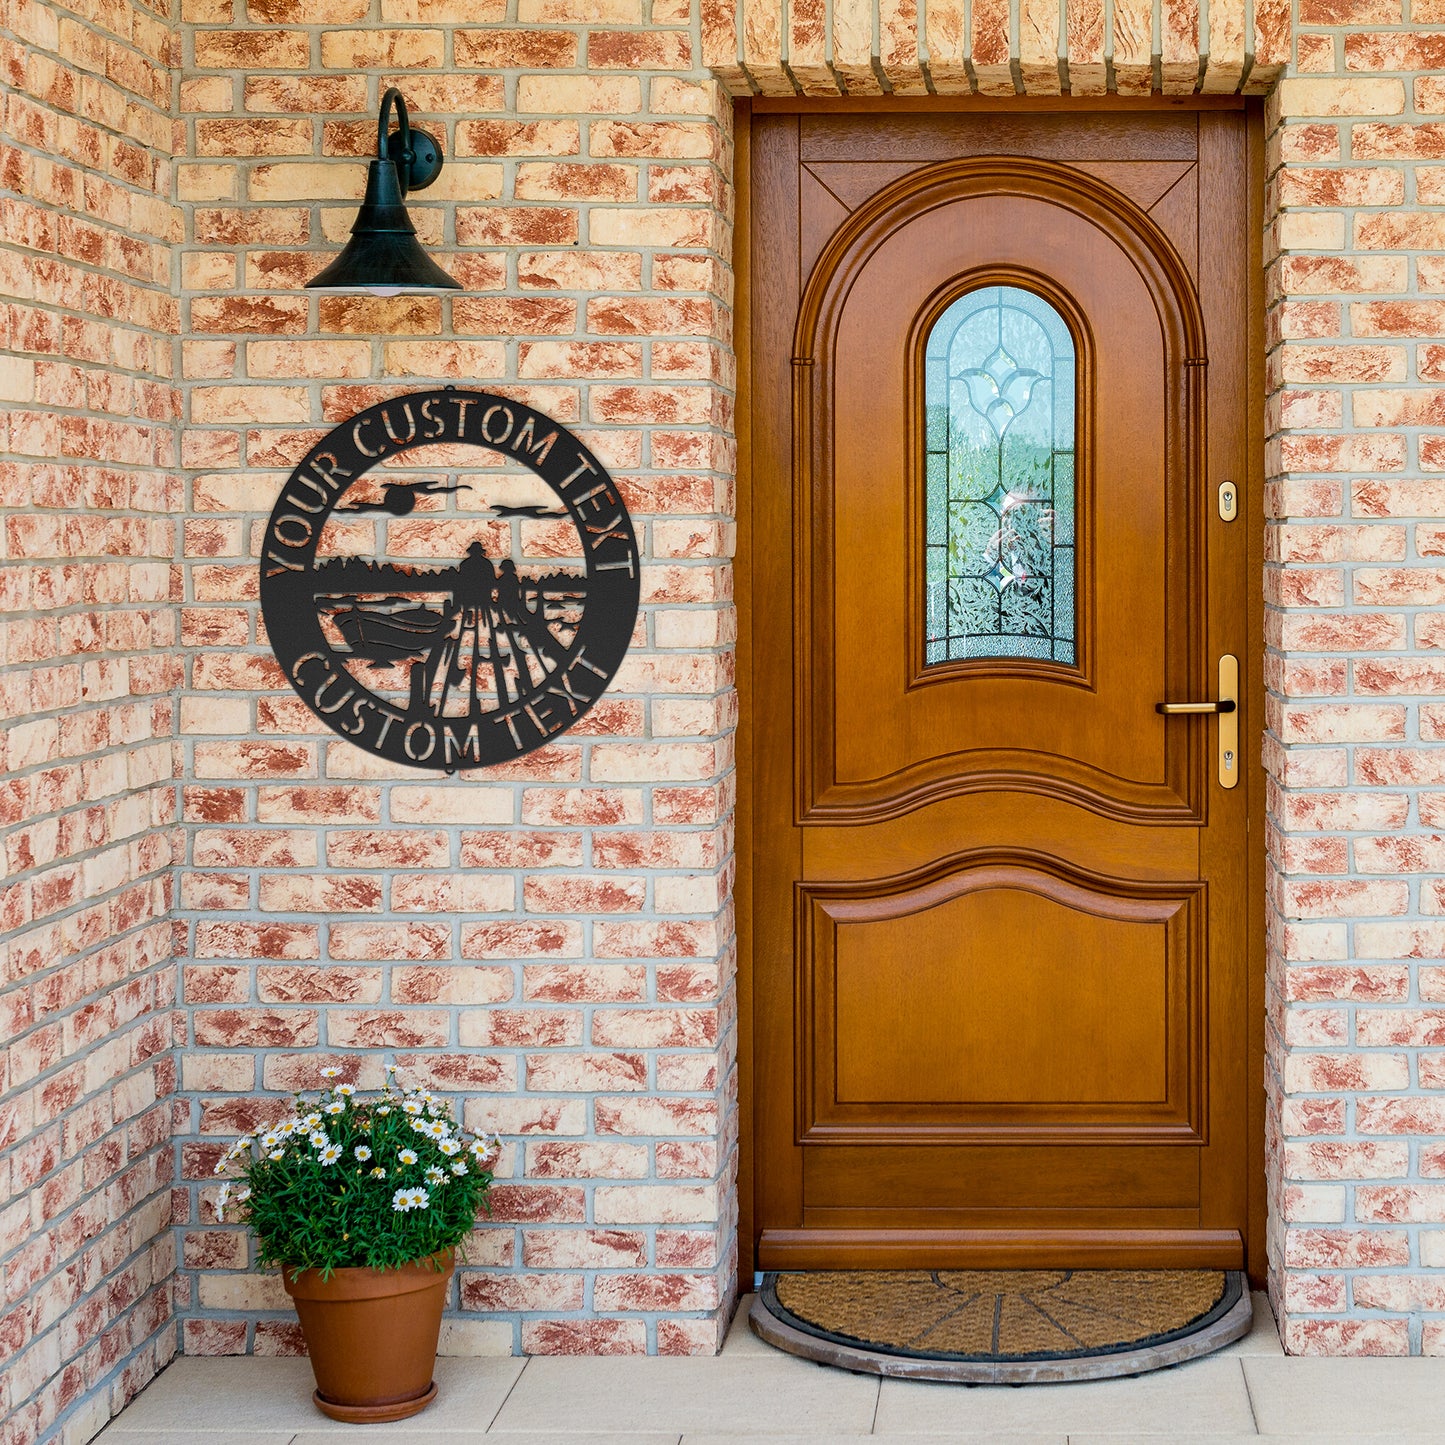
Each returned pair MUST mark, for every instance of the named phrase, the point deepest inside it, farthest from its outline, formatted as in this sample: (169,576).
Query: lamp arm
(393,97)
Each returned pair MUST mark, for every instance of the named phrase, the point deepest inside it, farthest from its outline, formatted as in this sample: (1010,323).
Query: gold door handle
(1227,708)
(1175,709)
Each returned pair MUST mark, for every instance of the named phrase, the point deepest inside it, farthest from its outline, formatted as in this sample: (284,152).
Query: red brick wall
(1354,584)
(89,497)
(550,941)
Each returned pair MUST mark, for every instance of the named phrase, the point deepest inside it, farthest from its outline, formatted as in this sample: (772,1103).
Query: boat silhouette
(389,636)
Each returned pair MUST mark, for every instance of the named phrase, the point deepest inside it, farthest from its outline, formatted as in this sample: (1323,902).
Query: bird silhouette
(531,509)
(399,498)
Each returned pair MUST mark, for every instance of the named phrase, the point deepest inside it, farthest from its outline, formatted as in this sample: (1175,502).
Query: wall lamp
(383,255)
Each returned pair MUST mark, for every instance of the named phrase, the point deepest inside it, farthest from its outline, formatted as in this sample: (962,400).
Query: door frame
(1253,517)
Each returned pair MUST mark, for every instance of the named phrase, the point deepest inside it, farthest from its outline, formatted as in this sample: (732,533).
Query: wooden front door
(1001,922)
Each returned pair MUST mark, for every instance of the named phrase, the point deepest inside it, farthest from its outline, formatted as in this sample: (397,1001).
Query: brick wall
(1356,1072)
(551,941)
(88,502)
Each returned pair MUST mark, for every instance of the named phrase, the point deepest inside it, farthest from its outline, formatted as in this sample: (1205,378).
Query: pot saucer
(375,1414)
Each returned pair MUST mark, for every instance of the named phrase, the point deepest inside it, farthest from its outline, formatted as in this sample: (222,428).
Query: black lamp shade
(383,255)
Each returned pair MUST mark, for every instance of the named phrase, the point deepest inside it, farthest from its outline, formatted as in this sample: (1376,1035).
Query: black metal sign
(449,639)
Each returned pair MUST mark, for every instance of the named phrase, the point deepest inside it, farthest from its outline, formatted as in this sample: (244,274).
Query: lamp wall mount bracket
(417,157)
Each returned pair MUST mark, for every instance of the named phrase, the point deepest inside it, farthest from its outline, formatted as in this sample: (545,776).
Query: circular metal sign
(503,622)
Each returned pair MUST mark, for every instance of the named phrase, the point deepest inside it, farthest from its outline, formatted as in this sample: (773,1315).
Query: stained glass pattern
(999,394)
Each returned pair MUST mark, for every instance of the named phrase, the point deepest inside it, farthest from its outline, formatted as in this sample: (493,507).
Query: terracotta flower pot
(372,1336)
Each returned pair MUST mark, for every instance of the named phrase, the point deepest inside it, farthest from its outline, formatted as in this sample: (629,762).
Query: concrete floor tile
(1202,1397)
(1357,1398)
(1213,1440)
(413,1432)
(222,1396)
(125,1436)
(959,1439)
(740,1338)
(777,1395)
(469,1393)
(200,1397)
(1263,1336)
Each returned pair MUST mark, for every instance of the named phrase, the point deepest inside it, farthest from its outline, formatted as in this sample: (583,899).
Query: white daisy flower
(435,1175)
(385,1109)
(378,1172)
(289,1127)
(242,1195)
(220,1165)
(362,1152)
(330,1073)
(221,1200)
(335,1107)
(319,1139)
(450,1146)
(413,1106)
(459,1167)
(345,1090)
(392,1068)
(277,1154)
(311,1120)
(407,1156)
(437,1129)
(403,1200)
(331,1154)
(270,1139)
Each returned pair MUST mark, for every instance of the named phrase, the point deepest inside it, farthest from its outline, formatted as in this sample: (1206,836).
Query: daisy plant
(350,1180)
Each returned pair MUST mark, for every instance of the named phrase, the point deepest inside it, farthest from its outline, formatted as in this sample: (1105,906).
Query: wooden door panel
(1144,182)
(1000,902)
(883,734)
(1133,136)
(830,189)
(1026,1002)
(1013,1001)
(1177,214)
(820,210)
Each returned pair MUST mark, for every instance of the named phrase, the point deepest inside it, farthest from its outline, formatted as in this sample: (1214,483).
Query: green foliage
(378,1181)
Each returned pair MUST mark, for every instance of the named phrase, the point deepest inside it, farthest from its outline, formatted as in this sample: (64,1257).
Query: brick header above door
(996,47)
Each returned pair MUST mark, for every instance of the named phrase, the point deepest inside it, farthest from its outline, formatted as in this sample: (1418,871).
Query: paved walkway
(750,1391)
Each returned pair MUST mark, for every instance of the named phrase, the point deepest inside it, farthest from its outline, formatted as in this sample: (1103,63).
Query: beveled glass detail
(999,391)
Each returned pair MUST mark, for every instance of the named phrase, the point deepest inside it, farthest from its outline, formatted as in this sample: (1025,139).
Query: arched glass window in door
(1000,384)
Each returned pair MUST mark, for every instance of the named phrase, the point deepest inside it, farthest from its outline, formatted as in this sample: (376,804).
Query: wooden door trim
(1006,1249)
(890,1249)
(957,104)
(1255,387)
(742,583)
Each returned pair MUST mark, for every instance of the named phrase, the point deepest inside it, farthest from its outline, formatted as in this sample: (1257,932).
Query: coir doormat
(1003,1326)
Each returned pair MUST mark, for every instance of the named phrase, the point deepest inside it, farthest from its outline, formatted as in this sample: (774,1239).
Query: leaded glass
(999,383)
